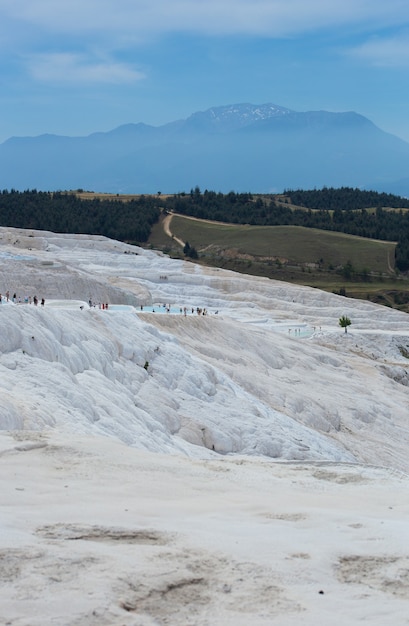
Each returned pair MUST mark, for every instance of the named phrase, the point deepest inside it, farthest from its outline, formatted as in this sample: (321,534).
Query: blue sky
(73,67)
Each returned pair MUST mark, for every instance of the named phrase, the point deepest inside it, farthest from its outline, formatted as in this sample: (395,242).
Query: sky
(79,66)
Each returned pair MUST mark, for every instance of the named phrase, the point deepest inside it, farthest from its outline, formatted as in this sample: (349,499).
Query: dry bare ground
(95,533)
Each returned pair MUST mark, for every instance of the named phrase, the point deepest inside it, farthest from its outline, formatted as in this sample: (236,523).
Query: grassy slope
(293,244)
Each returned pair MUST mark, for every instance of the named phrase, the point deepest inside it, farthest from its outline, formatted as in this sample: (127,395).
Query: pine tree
(344,322)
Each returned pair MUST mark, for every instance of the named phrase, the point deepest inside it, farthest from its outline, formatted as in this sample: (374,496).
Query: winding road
(166,228)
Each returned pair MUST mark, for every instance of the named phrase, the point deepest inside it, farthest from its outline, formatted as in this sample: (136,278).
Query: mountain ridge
(234,117)
(241,147)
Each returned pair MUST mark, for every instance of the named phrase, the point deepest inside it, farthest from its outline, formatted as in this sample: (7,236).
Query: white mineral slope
(271,374)
(163,469)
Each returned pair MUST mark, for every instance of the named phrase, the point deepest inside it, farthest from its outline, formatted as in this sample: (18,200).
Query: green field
(290,244)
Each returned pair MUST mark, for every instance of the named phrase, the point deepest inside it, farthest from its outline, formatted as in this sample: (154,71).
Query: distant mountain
(240,147)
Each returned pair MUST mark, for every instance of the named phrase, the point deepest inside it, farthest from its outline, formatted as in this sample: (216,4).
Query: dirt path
(167,221)
(390,264)
(166,228)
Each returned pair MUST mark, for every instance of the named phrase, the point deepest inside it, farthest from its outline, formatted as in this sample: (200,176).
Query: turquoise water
(155,308)
(294,331)
(15,257)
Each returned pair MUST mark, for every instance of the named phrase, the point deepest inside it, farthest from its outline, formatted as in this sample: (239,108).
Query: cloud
(75,68)
(143,18)
(391,52)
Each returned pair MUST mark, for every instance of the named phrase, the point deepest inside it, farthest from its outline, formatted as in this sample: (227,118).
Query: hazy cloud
(392,52)
(69,68)
(142,18)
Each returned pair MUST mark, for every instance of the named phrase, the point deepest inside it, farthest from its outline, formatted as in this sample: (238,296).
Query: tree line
(345,198)
(59,212)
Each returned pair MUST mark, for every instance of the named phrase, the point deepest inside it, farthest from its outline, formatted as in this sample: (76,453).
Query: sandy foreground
(95,532)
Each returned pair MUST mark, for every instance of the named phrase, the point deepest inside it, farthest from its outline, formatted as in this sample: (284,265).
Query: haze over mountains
(243,147)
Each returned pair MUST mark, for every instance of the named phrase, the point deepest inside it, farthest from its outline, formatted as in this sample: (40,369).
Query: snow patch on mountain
(231,117)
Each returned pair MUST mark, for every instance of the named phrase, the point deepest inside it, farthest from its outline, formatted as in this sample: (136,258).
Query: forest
(346,198)
(59,212)
(352,211)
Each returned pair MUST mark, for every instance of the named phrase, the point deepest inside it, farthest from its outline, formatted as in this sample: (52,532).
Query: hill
(247,465)
(245,147)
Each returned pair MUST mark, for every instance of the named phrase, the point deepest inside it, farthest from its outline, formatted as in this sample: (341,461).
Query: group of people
(199,311)
(101,305)
(185,310)
(19,300)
